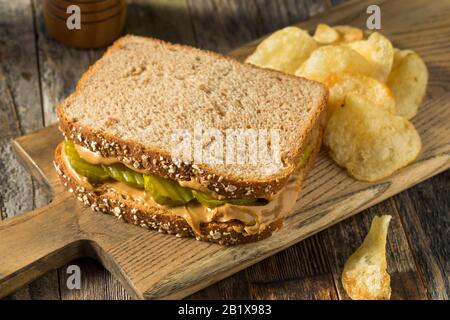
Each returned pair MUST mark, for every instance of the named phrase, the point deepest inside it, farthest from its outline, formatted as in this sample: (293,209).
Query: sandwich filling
(187,199)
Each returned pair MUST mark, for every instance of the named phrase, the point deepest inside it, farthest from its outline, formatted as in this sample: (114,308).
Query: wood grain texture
(238,22)
(35,246)
(164,19)
(61,67)
(20,114)
(234,287)
(96,284)
(425,214)
(300,272)
(428,240)
(18,74)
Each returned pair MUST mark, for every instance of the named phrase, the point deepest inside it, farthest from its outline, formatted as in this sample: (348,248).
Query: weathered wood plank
(222,25)
(60,67)
(18,61)
(425,214)
(20,113)
(233,287)
(299,272)
(96,283)
(164,19)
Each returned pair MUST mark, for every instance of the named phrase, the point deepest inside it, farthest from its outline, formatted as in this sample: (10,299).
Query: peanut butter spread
(254,218)
(93,157)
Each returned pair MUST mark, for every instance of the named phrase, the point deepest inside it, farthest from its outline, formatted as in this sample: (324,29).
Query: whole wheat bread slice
(159,218)
(130,101)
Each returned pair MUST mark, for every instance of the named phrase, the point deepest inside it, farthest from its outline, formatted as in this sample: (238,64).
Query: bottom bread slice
(224,233)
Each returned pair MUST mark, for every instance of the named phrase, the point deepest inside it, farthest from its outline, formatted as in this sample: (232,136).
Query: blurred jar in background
(84,23)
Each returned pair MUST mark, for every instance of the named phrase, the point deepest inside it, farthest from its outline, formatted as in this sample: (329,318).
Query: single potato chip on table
(408,82)
(284,50)
(342,84)
(365,275)
(334,59)
(371,143)
(378,50)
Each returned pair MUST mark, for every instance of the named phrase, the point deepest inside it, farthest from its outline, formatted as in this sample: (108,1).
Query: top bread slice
(132,100)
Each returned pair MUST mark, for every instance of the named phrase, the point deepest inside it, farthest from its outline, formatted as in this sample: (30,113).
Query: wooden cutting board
(153,265)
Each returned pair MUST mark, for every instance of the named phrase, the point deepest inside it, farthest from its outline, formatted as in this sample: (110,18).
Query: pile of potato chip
(374,90)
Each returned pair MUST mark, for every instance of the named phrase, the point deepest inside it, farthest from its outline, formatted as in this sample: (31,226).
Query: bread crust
(158,162)
(224,233)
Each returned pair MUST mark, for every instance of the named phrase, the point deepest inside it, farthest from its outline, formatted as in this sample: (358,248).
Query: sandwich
(189,142)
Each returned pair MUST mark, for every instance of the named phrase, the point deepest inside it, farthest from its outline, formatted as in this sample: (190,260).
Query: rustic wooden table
(36,73)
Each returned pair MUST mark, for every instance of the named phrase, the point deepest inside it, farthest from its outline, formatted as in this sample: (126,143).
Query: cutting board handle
(37,241)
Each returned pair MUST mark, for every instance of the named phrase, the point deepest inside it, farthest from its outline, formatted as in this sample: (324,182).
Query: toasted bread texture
(225,233)
(128,104)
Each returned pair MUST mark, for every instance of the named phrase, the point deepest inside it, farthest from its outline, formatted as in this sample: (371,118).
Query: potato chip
(370,142)
(349,34)
(340,85)
(365,275)
(378,50)
(325,34)
(399,55)
(408,82)
(284,50)
(334,59)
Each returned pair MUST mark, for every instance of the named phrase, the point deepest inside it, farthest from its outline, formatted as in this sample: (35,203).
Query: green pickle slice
(305,156)
(92,172)
(207,200)
(122,173)
(167,192)
(211,202)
